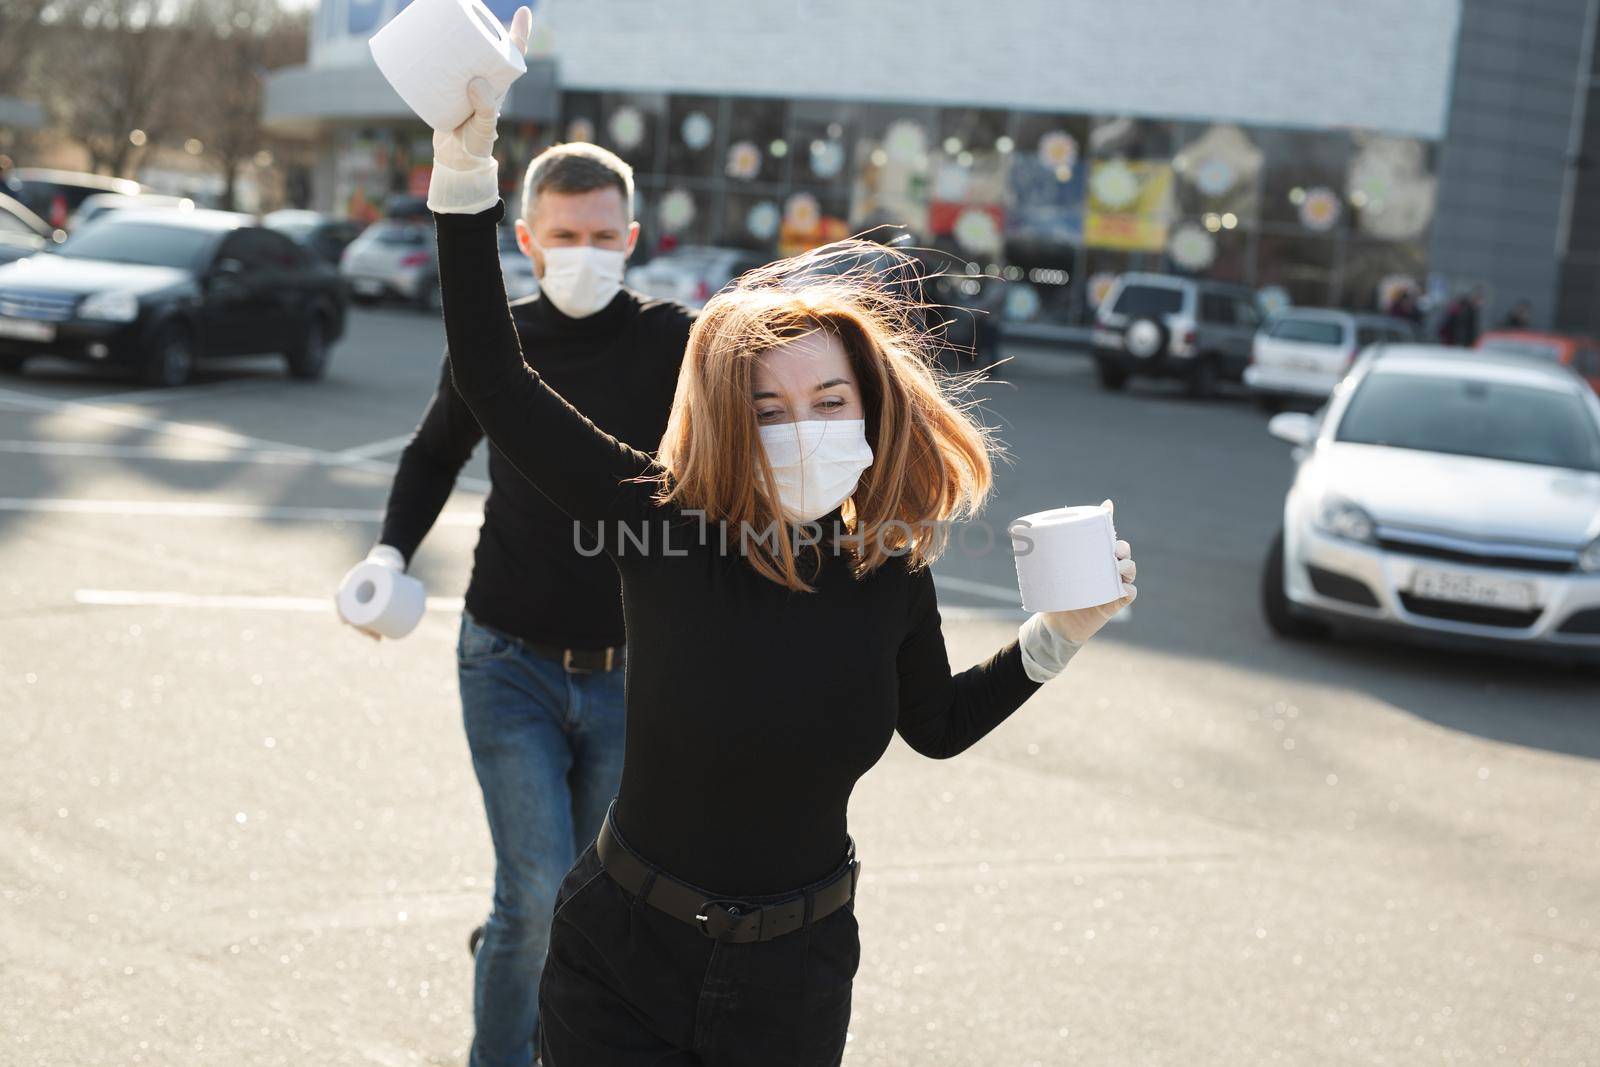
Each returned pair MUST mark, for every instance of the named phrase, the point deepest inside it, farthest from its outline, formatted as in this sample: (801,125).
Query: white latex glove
(465,177)
(385,555)
(1078,626)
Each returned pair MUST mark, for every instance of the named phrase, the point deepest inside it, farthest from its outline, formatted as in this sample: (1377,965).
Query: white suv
(1304,352)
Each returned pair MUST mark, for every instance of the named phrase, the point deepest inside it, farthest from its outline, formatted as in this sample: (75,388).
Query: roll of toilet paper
(432,49)
(1066,558)
(381,599)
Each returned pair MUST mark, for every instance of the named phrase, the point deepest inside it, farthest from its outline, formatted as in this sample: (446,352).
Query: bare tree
(242,40)
(21,27)
(116,66)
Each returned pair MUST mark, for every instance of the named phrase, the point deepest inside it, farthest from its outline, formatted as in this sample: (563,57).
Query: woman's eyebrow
(830,383)
(764,396)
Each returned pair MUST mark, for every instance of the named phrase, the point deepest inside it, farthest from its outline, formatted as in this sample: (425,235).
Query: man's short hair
(577,167)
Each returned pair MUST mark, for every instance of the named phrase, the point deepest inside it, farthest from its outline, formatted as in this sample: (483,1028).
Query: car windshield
(1523,346)
(295,231)
(1308,331)
(1473,417)
(1149,300)
(149,243)
(400,233)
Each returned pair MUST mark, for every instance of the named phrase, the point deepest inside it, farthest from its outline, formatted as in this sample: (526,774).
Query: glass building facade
(1055,204)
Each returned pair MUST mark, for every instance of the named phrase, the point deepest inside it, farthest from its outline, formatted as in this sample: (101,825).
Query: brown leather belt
(718,918)
(579,660)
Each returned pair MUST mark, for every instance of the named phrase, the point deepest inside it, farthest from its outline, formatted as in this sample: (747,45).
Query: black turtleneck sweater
(621,365)
(752,710)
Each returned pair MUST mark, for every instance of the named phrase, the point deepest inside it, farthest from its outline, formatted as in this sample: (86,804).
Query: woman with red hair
(782,626)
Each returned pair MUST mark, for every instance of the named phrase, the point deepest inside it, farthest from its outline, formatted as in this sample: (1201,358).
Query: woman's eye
(833,403)
(768,415)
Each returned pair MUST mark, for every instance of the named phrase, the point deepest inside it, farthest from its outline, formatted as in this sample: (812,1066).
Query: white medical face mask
(581,280)
(816,463)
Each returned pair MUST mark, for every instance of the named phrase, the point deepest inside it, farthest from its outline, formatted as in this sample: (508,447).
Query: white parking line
(996,592)
(133,598)
(377,448)
(241,443)
(168,453)
(966,585)
(200,509)
(127,419)
(206,389)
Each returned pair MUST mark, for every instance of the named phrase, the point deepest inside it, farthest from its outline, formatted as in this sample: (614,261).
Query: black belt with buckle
(721,919)
(580,660)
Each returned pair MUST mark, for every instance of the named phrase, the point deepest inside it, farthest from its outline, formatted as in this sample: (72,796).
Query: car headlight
(1344,519)
(1589,558)
(110,307)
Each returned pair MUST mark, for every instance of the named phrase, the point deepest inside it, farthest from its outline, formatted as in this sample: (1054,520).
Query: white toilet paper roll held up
(432,49)
(381,599)
(1066,558)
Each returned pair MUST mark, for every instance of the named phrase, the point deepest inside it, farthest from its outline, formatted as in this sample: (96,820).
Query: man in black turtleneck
(541,649)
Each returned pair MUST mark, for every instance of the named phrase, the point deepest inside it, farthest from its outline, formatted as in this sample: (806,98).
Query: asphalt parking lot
(239,833)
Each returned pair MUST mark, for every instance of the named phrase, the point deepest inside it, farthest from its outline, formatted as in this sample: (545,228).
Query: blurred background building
(1325,153)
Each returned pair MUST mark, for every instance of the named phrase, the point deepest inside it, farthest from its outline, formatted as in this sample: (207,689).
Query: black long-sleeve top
(751,709)
(528,578)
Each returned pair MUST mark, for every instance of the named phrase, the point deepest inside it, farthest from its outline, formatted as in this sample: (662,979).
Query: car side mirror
(1295,427)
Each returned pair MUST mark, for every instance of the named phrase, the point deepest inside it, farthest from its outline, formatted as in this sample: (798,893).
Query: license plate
(1471,589)
(367,286)
(27,329)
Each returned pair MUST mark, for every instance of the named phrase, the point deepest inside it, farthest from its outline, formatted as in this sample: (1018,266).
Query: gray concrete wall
(1503,164)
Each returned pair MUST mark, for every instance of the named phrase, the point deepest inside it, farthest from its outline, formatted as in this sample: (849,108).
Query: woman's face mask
(811,422)
(816,463)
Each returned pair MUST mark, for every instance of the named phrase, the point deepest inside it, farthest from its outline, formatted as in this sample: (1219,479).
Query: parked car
(54,195)
(95,205)
(393,259)
(324,235)
(1444,495)
(1582,354)
(692,274)
(22,233)
(1301,353)
(156,291)
(1167,326)
(515,267)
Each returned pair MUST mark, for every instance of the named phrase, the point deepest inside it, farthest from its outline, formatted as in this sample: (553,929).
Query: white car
(393,258)
(691,274)
(515,267)
(1301,353)
(1450,495)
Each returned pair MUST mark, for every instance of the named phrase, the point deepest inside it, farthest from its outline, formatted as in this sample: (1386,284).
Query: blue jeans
(547,749)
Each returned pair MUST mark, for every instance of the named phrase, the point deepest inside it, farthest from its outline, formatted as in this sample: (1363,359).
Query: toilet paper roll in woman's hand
(1072,569)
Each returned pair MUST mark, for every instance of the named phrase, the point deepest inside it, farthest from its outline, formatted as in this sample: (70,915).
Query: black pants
(626,985)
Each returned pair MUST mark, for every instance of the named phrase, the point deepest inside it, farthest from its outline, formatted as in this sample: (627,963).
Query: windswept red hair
(930,456)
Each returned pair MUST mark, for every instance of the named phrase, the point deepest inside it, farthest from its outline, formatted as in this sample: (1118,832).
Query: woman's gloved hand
(1078,626)
(1049,639)
(465,176)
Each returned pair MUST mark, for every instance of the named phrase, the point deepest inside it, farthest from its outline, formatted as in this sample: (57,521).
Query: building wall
(1578,305)
(1503,164)
(1266,62)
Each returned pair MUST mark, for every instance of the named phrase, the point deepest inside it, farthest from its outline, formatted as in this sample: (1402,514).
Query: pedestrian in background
(712,922)
(1460,326)
(1520,317)
(541,650)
